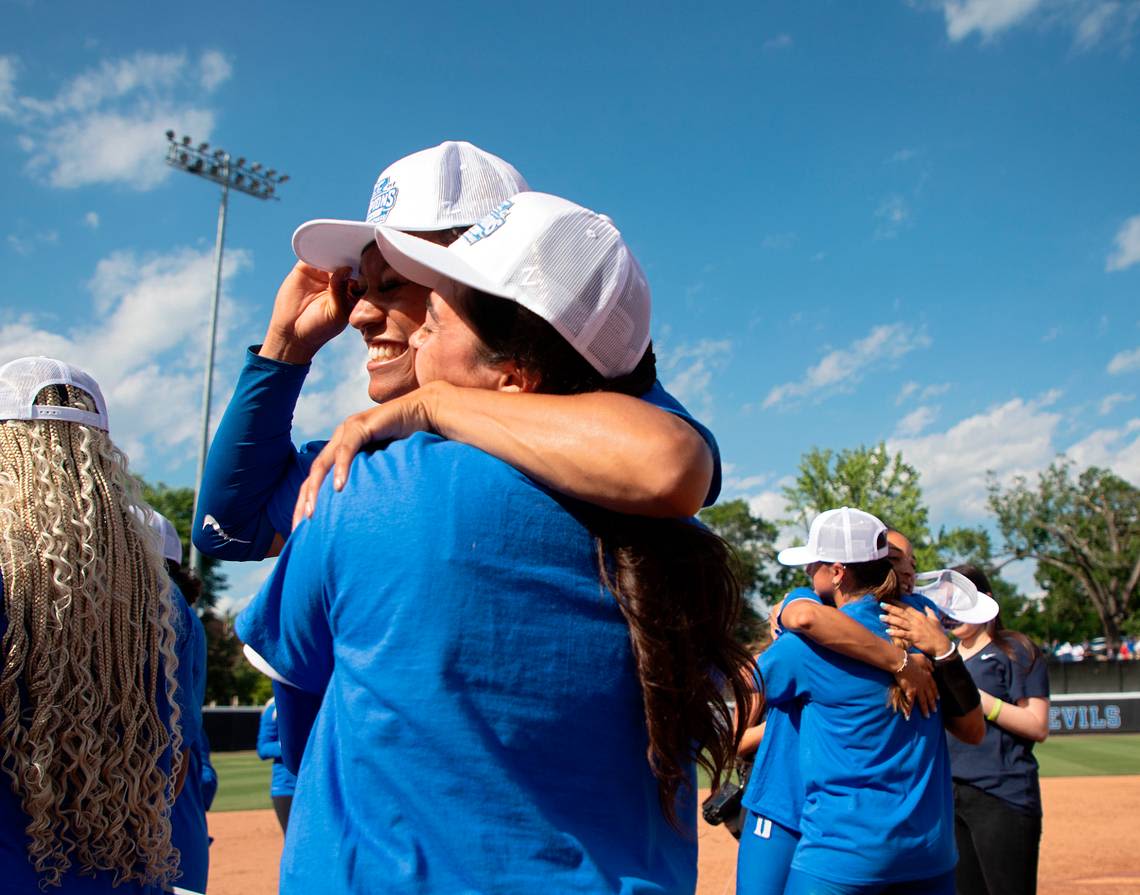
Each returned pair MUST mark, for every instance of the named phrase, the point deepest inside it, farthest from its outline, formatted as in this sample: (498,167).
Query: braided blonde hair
(89,641)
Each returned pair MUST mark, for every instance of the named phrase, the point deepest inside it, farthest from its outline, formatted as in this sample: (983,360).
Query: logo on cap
(489,224)
(383,199)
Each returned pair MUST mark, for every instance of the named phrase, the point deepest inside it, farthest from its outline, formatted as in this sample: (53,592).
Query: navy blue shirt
(253,472)
(1003,765)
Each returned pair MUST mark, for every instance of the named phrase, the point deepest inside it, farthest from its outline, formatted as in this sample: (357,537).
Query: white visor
(955,594)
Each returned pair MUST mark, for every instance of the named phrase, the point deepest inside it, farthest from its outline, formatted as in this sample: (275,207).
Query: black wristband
(956,689)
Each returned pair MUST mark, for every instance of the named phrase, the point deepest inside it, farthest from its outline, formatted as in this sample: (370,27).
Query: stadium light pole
(217,166)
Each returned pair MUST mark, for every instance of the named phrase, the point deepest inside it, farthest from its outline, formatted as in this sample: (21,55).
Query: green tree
(1084,532)
(870,478)
(228,675)
(754,559)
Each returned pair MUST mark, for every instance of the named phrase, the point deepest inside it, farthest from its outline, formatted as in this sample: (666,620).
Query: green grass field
(244,778)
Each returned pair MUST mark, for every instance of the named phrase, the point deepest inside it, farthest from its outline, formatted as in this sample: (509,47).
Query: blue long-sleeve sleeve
(297,713)
(252,466)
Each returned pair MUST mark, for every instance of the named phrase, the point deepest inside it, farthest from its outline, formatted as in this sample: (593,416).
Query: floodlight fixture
(217,167)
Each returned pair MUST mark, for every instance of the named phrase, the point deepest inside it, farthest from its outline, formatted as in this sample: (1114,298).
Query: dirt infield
(1091,844)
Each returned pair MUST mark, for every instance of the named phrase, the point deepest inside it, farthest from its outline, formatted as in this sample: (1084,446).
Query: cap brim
(330,244)
(796,556)
(981,612)
(431,265)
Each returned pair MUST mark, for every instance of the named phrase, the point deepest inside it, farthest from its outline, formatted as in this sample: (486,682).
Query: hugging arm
(838,632)
(615,451)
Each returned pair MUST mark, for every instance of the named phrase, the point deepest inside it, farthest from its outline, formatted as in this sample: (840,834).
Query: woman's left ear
(514,379)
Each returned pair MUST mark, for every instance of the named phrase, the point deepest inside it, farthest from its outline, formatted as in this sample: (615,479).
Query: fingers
(345,290)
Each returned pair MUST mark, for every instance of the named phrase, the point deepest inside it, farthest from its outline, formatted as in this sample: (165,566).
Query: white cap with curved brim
(22,380)
(450,185)
(563,262)
(955,594)
(844,535)
(164,528)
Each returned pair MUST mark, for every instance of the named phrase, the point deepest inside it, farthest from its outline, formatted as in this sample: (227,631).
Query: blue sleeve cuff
(658,397)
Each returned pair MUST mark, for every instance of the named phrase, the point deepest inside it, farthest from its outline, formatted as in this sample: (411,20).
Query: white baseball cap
(844,535)
(957,596)
(22,380)
(450,185)
(567,264)
(167,533)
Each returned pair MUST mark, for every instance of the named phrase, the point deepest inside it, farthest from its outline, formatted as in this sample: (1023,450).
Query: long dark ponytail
(671,578)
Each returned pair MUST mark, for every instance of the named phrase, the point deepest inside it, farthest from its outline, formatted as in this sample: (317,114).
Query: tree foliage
(754,559)
(1084,532)
(879,482)
(228,675)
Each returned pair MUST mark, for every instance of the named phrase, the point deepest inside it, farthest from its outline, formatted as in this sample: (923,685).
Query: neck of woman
(967,646)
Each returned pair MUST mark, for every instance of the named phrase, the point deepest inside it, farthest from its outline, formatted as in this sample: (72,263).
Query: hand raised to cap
(311,308)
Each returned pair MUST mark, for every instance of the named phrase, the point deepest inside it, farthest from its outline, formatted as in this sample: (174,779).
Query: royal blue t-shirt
(282,782)
(878,805)
(482,727)
(16,871)
(775,787)
(253,472)
(1003,764)
(188,817)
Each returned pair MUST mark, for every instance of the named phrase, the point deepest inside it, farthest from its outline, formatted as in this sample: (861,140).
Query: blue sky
(911,221)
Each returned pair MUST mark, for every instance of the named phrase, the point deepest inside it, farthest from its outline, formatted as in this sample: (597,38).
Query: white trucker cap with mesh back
(567,264)
(21,380)
(450,185)
(956,595)
(164,528)
(844,535)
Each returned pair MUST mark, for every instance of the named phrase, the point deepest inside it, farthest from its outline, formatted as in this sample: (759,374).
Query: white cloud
(107,124)
(215,69)
(1115,449)
(688,371)
(908,389)
(987,17)
(841,370)
(892,216)
(1111,402)
(779,42)
(921,392)
(918,419)
(778,241)
(902,155)
(91,219)
(1091,21)
(336,387)
(144,342)
(1052,334)
(1127,246)
(1014,438)
(7,85)
(1124,362)
(26,243)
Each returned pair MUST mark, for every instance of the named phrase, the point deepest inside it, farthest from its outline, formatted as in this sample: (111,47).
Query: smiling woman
(640,454)
(512,634)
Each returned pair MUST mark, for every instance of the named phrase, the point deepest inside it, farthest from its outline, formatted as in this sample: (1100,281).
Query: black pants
(282,804)
(997,845)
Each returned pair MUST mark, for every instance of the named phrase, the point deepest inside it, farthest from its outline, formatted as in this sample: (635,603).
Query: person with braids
(517,686)
(876,813)
(997,793)
(90,743)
